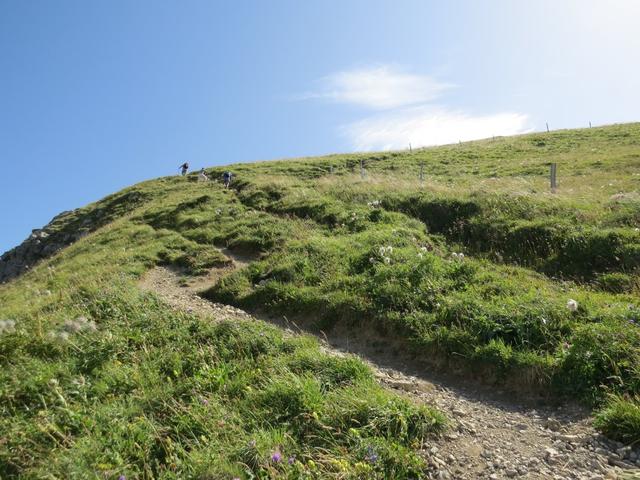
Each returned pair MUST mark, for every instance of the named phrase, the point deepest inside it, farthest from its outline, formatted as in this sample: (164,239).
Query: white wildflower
(7,326)
(387,260)
(454,255)
(372,260)
(382,251)
(389,249)
(424,249)
(572,305)
(420,255)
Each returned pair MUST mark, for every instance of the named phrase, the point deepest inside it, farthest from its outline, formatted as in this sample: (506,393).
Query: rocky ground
(491,436)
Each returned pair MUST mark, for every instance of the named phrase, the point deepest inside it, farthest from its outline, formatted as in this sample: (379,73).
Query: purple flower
(122,477)
(276,457)
(292,459)
(372,456)
(205,401)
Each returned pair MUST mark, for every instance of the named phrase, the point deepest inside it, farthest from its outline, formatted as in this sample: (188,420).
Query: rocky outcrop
(65,229)
(42,243)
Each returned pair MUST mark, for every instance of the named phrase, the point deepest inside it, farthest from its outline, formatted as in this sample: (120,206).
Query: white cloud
(380,87)
(424,126)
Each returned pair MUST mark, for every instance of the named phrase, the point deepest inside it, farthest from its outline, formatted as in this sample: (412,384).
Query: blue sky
(97,95)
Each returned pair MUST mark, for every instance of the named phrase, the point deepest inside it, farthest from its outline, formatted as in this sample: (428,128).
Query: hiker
(226,178)
(202,177)
(184,168)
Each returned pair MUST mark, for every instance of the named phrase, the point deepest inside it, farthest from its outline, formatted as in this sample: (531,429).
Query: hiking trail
(491,435)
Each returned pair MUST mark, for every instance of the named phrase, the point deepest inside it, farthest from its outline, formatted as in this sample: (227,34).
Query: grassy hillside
(545,296)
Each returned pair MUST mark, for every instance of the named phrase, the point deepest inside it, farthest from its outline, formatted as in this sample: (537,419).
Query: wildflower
(572,305)
(276,457)
(420,255)
(122,477)
(423,249)
(7,326)
(454,255)
(382,251)
(372,260)
(372,456)
(389,249)
(387,260)
(64,336)
(291,459)
(204,402)
(252,444)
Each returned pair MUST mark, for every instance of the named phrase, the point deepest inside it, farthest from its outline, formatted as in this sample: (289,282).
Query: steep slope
(544,300)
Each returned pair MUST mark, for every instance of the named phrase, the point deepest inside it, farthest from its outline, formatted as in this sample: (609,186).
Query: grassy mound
(545,292)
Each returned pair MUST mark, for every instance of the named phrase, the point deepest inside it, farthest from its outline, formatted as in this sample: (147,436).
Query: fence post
(553,177)
(547,127)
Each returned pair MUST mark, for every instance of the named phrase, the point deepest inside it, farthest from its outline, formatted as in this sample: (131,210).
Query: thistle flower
(572,305)
(276,457)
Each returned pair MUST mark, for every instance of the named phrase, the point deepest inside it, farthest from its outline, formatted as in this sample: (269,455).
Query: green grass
(501,311)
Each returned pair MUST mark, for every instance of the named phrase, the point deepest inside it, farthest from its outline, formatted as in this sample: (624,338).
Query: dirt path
(491,435)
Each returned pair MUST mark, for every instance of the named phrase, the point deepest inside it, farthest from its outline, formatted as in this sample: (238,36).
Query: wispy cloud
(409,114)
(425,126)
(379,87)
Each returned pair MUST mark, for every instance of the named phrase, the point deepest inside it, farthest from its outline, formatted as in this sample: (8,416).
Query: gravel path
(491,435)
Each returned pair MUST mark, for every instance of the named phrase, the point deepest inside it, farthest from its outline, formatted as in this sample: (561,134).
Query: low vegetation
(476,265)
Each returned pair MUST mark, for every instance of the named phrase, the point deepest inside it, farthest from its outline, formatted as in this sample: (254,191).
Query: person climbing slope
(202,177)
(226,178)
(184,168)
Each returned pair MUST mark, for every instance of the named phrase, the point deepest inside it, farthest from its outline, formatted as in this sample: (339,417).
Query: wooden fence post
(553,177)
